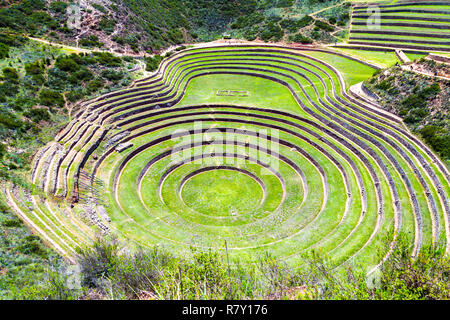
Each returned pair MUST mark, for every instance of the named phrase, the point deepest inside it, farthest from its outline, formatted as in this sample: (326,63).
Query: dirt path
(79,50)
(408,68)
(324,9)
(60,45)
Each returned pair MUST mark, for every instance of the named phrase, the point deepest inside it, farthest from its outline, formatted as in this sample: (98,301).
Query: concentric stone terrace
(285,162)
(414,25)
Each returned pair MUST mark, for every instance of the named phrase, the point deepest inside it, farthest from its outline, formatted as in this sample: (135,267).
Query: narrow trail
(61,45)
(324,9)
(84,50)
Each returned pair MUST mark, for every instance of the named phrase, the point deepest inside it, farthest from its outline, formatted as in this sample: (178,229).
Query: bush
(84,74)
(51,98)
(73,96)
(10,74)
(58,7)
(3,152)
(323,25)
(38,115)
(271,32)
(112,75)
(91,41)
(305,21)
(9,88)
(10,120)
(107,59)
(67,64)
(107,25)
(438,138)
(95,85)
(32,245)
(290,25)
(285,3)
(299,38)
(4,51)
(34,68)
(152,63)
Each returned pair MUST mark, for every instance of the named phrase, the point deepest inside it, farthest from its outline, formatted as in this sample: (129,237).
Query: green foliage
(74,96)
(27,16)
(51,98)
(284,3)
(438,138)
(66,64)
(58,6)
(271,32)
(107,59)
(112,75)
(82,75)
(37,115)
(95,85)
(152,63)
(10,120)
(300,38)
(323,25)
(99,7)
(91,42)
(107,25)
(34,68)
(12,40)
(9,88)
(420,101)
(4,51)
(10,74)
(248,21)
(206,274)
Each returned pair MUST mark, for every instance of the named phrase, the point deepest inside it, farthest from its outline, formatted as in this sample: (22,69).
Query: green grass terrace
(413,25)
(259,146)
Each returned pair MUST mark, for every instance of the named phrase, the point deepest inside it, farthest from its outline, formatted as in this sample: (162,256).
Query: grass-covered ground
(422,27)
(338,177)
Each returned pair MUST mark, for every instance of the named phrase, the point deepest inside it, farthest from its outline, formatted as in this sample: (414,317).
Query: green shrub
(438,138)
(107,25)
(32,245)
(91,41)
(9,88)
(3,152)
(51,98)
(107,59)
(73,96)
(38,115)
(10,120)
(284,3)
(152,63)
(112,75)
(323,25)
(10,74)
(383,85)
(271,32)
(4,51)
(299,38)
(34,68)
(58,6)
(67,64)
(84,74)
(99,7)
(305,21)
(95,85)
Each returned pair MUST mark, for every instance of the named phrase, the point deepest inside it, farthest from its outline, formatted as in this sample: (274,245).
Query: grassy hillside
(39,87)
(422,102)
(132,26)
